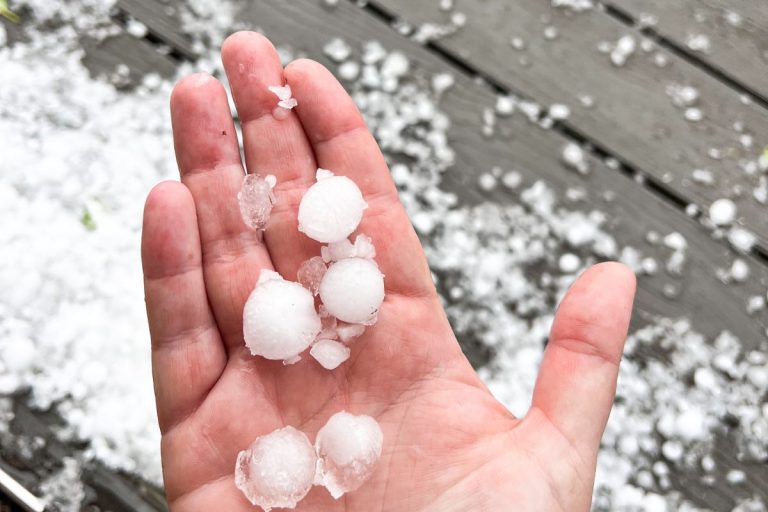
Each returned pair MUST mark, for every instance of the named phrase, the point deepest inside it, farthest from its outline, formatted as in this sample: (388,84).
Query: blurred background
(528,139)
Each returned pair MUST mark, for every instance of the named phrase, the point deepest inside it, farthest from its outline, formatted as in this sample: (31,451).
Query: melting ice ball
(277,470)
(256,200)
(352,290)
(279,319)
(331,209)
(348,448)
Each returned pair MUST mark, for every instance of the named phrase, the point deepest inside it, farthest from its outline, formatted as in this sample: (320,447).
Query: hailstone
(352,290)
(256,200)
(331,209)
(277,470)
(329,353)
(348,448)
(279,319)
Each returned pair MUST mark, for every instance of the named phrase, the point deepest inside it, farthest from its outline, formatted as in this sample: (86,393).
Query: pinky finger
(187,352)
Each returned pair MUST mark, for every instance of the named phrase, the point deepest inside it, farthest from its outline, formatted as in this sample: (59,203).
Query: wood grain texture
(738,31)
(104,57)
(161,19)
(634,118)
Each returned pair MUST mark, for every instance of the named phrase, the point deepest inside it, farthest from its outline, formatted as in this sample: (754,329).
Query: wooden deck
(633,121)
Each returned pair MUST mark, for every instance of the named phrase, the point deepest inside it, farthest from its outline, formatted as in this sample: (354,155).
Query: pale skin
(448,444)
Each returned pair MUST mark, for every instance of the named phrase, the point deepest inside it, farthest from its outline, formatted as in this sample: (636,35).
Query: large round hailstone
(348,448)
(331,209)
(279,319)
(277,470)
(352,290)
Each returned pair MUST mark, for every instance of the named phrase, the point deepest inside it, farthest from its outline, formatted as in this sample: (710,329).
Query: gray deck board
(633,118)
(141,58)
(739,48)
(160,17)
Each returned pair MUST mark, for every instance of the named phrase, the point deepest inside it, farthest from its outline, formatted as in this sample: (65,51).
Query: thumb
(577,379)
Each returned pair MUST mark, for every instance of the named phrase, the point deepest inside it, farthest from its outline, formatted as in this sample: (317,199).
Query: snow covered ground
(79,156)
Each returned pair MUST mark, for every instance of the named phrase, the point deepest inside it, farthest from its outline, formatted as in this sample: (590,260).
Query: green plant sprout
(5,12)
(87,219)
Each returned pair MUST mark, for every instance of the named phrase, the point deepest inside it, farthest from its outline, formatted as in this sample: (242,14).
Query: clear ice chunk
(310,274)
(279,318)
(277,470)
(331,209)
(348,448)
(256,200)
(284,95)
(329,353)
(352,290)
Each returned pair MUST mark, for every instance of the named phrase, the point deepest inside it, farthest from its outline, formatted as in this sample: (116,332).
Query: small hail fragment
(329,353)
(279,318)
(256,199)
(574,158)
(559,112)
(623,50)
(348,448)
(337,50)
(286,101)
(277,470)
(335,251)
(331,209)
(698,43)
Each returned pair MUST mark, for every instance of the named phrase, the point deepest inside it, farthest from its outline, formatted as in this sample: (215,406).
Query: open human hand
(448,444)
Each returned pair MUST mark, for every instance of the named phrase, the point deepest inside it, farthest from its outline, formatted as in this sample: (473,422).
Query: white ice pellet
(512,180)
(331,209)
(256,200)
(284,96)
(395,64)
(505,105)
(349,70)
(742,239)
(739,270)
(279,318)
(136,28)
(698,42)
(722,212)
(352,290)
(559,112)
(623,49)
(441,82)
(277,470)
(575,158)
(569,263)
(329,353)
(337,50)
(486,182)
(348,448)
(694,114)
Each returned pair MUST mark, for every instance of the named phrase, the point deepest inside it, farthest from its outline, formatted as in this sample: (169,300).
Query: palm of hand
(448,444)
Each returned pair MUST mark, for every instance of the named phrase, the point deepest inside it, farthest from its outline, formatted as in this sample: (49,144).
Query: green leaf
(87,220)
(7,13)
